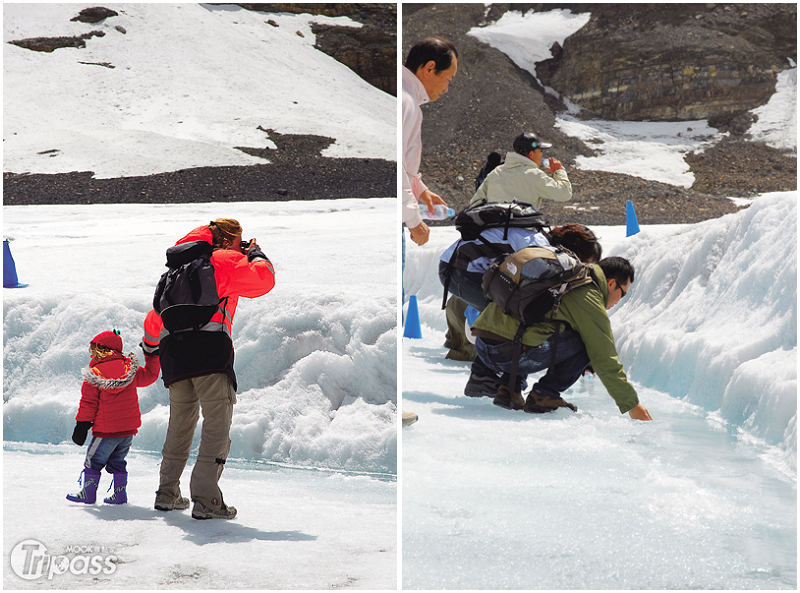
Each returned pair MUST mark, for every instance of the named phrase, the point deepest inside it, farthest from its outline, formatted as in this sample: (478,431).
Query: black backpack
(471,222)
(186,297)
(529,284)
(493,161)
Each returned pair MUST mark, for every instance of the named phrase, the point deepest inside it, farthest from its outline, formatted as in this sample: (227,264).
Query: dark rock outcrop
(94,15)
(369,51)
(50,44)
(666,62)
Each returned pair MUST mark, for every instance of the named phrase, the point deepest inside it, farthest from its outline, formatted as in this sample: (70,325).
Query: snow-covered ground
(314,455)
(313,464)
(296,529)
(705,496)
(189,83)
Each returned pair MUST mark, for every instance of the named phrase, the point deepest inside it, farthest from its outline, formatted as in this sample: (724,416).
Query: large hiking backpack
(186,297)
(471,222)
(529,284)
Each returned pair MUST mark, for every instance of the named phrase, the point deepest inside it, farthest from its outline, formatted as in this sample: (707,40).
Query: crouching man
(585,341)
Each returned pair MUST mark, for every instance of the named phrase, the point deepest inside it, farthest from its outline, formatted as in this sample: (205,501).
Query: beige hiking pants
(214,396)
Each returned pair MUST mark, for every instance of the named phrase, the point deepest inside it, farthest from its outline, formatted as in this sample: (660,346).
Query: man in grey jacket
(521,177)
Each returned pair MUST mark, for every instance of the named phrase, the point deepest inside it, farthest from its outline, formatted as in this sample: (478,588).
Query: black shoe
(506,399)
(536,403)
(480,386)
(447,343)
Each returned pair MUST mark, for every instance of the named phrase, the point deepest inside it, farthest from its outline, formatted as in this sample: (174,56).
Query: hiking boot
(509,401)
(480,386)
(120,484)
(201,511)
(536,403)
(170,503)
(90,478)
(409,418)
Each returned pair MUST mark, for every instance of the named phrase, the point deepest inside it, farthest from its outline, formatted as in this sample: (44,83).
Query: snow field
(295,529)
(315,358)
(190,82)
(705,496)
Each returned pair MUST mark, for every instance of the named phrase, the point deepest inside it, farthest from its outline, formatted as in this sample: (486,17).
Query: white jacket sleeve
(412,151)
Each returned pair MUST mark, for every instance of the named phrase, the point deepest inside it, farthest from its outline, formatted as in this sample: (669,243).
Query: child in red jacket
(110,406)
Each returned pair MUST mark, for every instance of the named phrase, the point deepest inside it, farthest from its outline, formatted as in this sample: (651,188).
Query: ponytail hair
(224,229)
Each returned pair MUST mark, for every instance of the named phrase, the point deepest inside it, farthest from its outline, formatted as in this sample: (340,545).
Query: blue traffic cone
(9,269)
(633,224)
(412,328)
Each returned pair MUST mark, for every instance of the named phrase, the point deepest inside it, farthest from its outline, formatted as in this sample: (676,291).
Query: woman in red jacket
(110,406)
(197,367)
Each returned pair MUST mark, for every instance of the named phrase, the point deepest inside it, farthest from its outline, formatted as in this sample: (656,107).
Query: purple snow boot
(91,479)
(119,483)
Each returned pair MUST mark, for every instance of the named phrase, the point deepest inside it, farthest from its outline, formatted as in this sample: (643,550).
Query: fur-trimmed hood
(113,372)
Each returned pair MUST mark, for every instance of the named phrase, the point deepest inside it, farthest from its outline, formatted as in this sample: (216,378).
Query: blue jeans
(108,453)
(571,362)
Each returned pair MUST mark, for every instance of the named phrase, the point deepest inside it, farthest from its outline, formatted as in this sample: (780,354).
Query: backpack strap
(447,273)
(508,222)
(517,342)
(494,246)
(498,252)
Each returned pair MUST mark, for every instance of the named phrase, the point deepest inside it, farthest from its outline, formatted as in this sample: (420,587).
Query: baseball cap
(524,143)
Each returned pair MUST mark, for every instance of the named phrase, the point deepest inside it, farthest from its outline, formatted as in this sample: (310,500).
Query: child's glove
(80,432)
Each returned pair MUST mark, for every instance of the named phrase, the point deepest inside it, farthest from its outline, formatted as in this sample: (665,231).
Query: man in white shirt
(430,66)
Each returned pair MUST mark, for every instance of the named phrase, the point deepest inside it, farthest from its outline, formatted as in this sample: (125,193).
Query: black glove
(255,253)
(80,432)
(149,349)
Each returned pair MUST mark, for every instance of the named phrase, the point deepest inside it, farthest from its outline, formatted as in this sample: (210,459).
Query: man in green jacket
(521,178)
(586,342)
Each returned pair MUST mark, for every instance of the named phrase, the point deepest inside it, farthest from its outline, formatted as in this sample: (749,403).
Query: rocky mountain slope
(664,54)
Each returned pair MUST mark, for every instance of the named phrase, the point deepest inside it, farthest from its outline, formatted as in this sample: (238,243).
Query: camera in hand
(244,245)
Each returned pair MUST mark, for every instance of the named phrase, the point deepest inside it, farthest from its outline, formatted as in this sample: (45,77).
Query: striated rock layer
(657,62)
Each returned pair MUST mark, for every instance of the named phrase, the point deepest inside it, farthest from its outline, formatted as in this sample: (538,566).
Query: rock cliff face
(659,62)
(370,52)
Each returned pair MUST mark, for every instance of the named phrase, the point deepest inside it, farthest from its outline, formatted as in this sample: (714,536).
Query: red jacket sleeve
(90,399)
(153,326)
(148,374)
(237,277)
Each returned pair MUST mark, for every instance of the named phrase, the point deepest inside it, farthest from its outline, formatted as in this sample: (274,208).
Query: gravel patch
(301,179)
